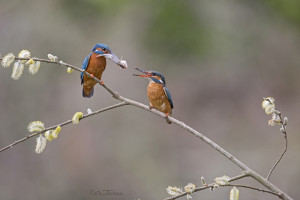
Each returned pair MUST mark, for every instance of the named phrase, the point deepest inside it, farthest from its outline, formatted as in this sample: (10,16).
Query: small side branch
(279,159)
(283,123)
(62,124)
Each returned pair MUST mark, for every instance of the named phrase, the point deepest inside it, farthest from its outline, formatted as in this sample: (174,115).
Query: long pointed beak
(147,76)
(143,71)
(115,59)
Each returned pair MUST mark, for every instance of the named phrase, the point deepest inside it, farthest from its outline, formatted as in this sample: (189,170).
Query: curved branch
(286,145)
(213,185)
(233,159)
(279,159)
(63,124)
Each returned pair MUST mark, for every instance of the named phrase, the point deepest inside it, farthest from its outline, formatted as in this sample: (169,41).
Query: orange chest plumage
(96,65)
(158,98)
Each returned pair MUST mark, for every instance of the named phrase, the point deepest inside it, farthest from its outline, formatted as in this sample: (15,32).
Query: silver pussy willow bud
(234,194)
(277,112)
(285,120)
(203,181)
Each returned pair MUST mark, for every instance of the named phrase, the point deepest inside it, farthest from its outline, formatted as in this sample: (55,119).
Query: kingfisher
(158,94)
(95,64)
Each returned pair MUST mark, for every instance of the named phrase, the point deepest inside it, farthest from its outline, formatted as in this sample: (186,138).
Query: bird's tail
(87,93)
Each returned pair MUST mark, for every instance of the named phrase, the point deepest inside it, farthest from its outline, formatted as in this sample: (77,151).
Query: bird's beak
(143,71)
(115,59)
(147,76)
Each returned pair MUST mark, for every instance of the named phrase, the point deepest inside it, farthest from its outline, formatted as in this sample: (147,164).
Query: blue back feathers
(84,66)
(168,94)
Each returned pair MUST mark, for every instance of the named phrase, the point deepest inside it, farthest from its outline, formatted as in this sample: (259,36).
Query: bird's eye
(104,49)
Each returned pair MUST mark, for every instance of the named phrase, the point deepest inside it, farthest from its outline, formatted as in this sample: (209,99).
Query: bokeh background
(220,58)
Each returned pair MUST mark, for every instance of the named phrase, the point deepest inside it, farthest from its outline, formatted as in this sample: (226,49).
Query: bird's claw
(101,83)
(150,107)
(166,115)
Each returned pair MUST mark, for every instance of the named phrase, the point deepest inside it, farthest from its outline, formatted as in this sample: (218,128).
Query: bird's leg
(166,115)
(150,107)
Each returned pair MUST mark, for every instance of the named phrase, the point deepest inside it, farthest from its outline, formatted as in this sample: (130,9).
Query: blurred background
(220,58)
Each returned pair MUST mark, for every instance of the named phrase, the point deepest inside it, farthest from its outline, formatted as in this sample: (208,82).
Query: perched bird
(158,95)
(95,64)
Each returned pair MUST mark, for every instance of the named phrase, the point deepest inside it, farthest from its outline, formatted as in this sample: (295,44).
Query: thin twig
(63,124)
(279,159)
(286,145)
(237,162)
(242,175)
(253,188)
(213,186)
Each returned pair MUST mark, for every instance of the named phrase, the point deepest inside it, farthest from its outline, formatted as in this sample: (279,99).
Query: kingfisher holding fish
(158,94)
(95,64)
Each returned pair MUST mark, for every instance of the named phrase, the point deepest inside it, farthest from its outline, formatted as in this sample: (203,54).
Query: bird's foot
(101,83)
(150,107)
(92,75)
(167,118)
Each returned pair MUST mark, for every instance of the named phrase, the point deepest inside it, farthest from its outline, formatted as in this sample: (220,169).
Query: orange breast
(96,67)
(158,98)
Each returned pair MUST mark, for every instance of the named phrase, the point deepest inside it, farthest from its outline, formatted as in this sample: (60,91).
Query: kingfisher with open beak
(95,64)
(158,94)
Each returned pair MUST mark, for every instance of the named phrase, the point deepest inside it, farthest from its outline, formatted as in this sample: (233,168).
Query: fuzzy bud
(17,70)
(89,111)
(76,117)
(24,54)
(8,60)
(40,144)
(52,57)
(285,120)
(29,62)
(55,132)
(174,191)
(222,180)
(70,70)
(234,194)
(203,181)
(34,68)
(190,188)
(35,126)
(268,105)
(48,135)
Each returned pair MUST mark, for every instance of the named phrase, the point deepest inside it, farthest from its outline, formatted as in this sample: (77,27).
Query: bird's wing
(84,66)
(168,94)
